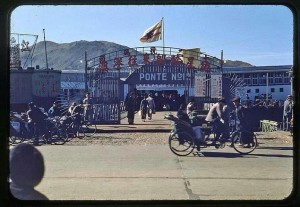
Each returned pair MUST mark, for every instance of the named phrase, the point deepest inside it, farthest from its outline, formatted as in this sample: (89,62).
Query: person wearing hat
(287,112)
(54,110)
(218,115)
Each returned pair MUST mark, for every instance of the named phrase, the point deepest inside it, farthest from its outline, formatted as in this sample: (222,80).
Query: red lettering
(161,59)
(126,52)
(190,62)
(132,60)
(117,62)
(103,64)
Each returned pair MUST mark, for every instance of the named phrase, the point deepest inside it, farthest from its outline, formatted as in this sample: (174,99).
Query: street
(147,170)
(137,172)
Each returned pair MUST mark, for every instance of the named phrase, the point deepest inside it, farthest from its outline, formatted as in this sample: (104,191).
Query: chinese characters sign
(46,84)
(200,85)
(216,85)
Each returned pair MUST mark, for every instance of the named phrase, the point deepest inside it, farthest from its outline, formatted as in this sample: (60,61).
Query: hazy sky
(259,35)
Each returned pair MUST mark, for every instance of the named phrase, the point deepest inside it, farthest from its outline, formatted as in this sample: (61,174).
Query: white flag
(152,34)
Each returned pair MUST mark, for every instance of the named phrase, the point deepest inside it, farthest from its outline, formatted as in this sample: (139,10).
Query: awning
(72,85)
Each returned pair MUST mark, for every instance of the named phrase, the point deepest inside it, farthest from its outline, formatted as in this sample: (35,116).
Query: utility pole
(85,73)
(45,50)
(267,92)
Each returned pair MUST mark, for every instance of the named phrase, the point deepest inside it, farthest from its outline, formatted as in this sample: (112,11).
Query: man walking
(287,112)
(151,106)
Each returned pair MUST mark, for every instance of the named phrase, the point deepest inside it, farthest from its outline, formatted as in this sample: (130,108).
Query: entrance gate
(104,73)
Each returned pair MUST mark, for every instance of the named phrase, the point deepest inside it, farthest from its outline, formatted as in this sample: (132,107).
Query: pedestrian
(241,122)
(143,108)
(78,117)
(27,169)
(54,110)
(151,106)
(287,112)
(130,108)
(88,107)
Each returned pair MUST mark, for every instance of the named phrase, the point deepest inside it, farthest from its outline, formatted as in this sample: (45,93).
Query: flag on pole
(153,34)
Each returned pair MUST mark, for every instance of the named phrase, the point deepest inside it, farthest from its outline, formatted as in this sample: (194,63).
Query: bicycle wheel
(15,137)
(81,132)
(88,129)
(244,142)
(181,143)
(56,136)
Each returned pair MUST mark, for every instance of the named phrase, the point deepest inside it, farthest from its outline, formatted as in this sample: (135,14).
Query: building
(261,80)
(248,82)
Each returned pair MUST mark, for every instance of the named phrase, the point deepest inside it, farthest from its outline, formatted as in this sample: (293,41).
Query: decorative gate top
(135,57)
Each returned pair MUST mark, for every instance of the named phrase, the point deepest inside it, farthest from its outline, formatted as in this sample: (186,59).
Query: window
(262,81)
(254,81)
(272,90)
(247,75)
(271,80)
(287,80)
(257,90)
(280,89)
(278,80)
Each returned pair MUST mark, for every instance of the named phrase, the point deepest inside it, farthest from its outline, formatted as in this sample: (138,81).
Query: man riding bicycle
(218,115)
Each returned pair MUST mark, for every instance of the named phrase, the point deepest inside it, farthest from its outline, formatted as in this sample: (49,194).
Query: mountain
(236,63)
(70,56)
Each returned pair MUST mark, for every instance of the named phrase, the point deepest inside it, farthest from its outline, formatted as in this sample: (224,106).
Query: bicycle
(71,128)
(51,134)
(87,129)
(182,140)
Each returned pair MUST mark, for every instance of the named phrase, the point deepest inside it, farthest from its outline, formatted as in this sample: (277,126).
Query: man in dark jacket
(36,118)
(130,107)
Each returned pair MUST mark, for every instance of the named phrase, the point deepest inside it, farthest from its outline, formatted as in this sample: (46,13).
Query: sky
(261,35)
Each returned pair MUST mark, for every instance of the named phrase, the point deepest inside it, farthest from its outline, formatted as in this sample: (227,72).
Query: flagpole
(163,34)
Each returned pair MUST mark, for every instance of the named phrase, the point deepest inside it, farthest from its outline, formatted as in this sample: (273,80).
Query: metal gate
(103,74)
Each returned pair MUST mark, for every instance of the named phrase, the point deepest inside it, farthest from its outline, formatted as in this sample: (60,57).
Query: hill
(67,56)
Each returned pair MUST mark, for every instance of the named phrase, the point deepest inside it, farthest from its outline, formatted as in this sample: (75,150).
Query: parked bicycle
(19,130)
(71,128)
(48,133)
(182,140)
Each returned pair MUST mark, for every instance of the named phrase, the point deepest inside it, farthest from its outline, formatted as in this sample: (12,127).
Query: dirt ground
(278,137)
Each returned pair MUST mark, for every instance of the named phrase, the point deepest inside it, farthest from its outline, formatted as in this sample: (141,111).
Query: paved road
(137,172)
(151,171)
